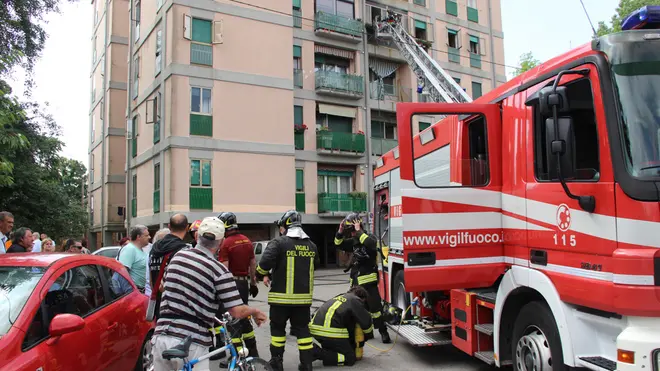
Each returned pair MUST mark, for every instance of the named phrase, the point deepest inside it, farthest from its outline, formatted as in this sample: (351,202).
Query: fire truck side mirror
(549,99)
(563,145)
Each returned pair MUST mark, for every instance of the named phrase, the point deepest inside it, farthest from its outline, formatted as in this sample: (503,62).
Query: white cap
(212,226)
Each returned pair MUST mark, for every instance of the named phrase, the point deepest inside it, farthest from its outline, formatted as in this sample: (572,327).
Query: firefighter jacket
(364,268)
(290,262)
(340,314)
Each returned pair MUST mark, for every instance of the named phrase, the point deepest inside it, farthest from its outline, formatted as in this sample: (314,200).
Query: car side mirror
(548,99)
(564,147)
(65,324)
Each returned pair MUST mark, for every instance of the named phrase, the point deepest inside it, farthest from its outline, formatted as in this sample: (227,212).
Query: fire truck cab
(524,227)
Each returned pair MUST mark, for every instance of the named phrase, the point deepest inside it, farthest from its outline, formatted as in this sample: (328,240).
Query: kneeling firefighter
(342,325)
(352,238)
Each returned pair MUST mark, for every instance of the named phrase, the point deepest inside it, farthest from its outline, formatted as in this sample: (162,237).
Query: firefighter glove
(254,291)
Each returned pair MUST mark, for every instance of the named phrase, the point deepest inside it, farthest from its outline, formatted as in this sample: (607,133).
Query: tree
(526,63)
(622,11)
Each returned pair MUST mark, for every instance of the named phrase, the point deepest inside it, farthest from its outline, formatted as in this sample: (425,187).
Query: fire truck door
(570,244)
(451,202)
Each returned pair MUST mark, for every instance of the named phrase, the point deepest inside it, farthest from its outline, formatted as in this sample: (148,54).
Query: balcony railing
(300,202)
(298,78)
(297,18)
(380,146)
(201,198)
(201,54)
(475,60)
(454,55)
(201,125)
(336,202)
(391,92)
(337,82)
(299,140)
(347,142)
(134,207)
(156,201)
(339,24)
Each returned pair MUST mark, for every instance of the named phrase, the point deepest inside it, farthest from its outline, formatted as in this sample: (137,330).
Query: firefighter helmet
(229,219)
(350,221)
(290,219)
(194,226)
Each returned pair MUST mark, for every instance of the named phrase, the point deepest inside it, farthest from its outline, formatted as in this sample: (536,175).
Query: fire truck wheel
(401,299)
(536,342)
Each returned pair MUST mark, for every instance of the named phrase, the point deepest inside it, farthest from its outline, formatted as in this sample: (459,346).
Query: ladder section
(441,86)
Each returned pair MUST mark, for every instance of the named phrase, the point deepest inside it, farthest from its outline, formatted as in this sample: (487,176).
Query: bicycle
(239,361)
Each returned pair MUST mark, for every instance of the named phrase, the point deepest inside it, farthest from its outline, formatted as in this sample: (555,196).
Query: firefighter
(192,232)
(352,238)
(287,267)
(337,325)
(237,254)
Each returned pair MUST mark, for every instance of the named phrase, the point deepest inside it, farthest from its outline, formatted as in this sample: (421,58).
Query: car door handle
(113,326)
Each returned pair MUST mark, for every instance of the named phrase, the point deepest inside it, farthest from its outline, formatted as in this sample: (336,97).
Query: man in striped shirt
(196,286)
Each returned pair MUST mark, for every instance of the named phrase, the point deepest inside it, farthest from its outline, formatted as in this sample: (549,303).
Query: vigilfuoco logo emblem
(563,217)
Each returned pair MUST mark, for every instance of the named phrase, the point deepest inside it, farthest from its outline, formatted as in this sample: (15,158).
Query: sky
(546,28)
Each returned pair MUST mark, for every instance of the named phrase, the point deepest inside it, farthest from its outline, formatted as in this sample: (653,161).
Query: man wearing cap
(195,285)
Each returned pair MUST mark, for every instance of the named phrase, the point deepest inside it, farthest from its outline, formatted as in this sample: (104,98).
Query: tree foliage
(622,11)
(527,62)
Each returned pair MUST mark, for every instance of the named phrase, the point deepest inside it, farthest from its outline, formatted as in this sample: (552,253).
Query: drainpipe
(104,131)
(131,37)
(163,95)
(492,44)
(367,113)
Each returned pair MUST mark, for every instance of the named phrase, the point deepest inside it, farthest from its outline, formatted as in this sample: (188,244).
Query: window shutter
(476,90)
(474,39)
(202,31)
(297,4)
(194,172)
(297,115)
(187,27)
(482,46)
(217,32)
(300,180)
(420,24)
(150,110)
(297,51)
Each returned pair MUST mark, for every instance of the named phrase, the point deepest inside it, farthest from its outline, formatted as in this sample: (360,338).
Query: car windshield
(16,286)
(635,60)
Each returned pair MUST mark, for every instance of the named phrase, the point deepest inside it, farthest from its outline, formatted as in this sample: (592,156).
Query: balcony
(337,27)
(300,202)
(475,60)
(339,84)
(299,140)
(201,54)
(342,144)
(201,198)
(201,125)
(454,55)
(297,18)
(380,146)
(334,204)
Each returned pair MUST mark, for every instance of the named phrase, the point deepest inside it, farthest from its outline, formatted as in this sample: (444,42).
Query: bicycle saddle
(178,351)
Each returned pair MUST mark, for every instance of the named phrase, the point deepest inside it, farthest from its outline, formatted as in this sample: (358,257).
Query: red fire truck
(524,227)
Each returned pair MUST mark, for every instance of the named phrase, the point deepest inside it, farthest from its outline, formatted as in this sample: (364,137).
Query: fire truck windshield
(635,63)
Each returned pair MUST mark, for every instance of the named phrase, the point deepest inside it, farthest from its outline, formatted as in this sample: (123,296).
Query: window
(157,177)
(93,94)
(201,49)
(335,182)
(112,279)
(475,52)
(424,125)
(329,63)
(342,8)
(300,180)
(439,168)
(420,30)
(297,57)
(451,7)
(134,129)
(383,130)
(91,169)
(96,13)
(134,196)
(200,173)
(93,130)
(585,136)
(136,76)
(77,291)
(297,115)
(453,40)
(472,11)
(200,101)
(156,117)
(476,90)
(472,3)
(138,11)
(91,210)
(159,50)
(94,50)
(297,13)
(474,44)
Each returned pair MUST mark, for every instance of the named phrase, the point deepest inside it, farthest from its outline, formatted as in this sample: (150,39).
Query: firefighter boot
(277,363)
(251,345)
(305,367)
(385,336)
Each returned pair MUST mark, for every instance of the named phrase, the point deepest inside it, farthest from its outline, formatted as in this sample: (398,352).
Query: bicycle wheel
(255,364)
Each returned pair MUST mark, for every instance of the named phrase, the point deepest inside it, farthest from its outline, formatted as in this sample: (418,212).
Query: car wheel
(536,340)
(145,361)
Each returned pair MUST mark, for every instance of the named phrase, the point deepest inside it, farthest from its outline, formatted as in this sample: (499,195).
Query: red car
(65,312)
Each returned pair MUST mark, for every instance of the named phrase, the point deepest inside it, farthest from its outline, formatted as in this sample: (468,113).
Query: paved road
(327,284)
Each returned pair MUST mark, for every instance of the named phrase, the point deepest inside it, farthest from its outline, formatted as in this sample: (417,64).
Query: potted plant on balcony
(299,129)
(426,44)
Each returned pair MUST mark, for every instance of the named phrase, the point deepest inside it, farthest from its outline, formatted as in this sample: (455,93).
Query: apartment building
(107,121)
(258,106)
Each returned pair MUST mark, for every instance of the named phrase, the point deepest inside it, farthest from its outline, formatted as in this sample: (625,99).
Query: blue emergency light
(644,18)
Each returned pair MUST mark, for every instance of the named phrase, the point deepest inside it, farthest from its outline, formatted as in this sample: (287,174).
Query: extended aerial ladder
(440,86)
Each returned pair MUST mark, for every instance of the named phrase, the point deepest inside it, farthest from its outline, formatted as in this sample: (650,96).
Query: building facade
(257,107)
